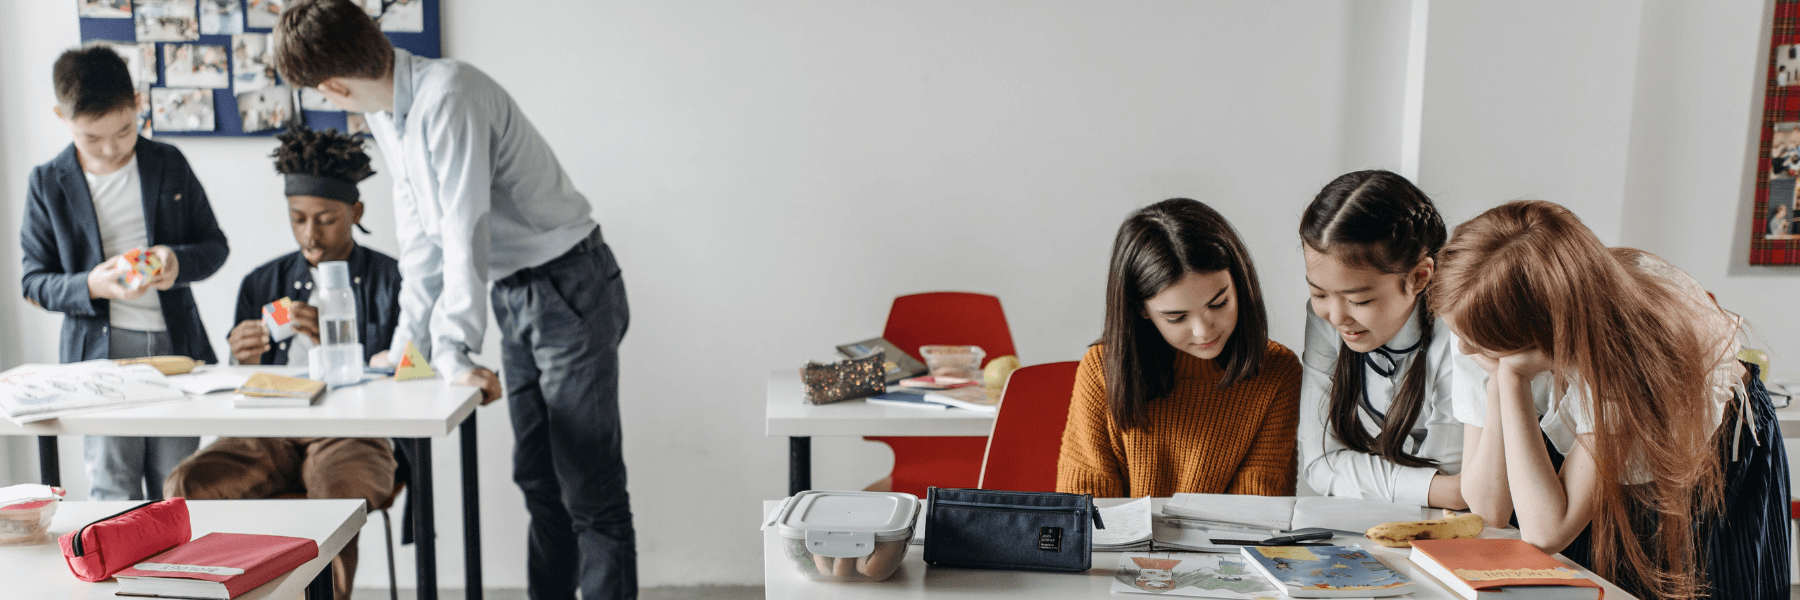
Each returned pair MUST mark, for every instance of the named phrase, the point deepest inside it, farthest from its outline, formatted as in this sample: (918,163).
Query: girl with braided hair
(1376,420)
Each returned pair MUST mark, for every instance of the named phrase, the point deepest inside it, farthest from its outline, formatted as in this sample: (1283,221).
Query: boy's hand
(305,320)
(482,378)
(103,281)
(380,360)
(171,268)
(249,340)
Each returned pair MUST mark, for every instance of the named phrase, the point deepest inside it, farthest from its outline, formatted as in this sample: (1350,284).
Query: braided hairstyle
(324,153)
(1376,220)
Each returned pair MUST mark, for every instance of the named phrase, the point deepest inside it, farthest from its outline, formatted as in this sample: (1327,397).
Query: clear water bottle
(338,359)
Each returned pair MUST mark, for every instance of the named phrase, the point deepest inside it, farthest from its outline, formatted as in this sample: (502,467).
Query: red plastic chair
(1027,439)
(953,318)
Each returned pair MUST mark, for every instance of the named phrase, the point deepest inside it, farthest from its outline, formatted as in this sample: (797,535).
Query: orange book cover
(1497,563)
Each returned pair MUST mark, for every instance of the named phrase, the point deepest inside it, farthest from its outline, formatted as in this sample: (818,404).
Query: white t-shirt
(1334,470)
(1568,415)
(119,208)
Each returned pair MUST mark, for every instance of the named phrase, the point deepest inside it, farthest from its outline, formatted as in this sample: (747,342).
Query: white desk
(415,411)
(40,572)
(916,580)
(789,414)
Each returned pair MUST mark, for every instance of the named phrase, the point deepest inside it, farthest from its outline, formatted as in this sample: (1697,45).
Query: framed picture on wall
(1775,234)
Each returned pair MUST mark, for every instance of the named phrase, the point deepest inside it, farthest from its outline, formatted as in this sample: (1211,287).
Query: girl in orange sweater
(1184,392)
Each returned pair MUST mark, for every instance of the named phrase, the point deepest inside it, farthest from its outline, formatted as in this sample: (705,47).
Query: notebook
(268,390)
(1326,571)
(1501,569)
(216,566)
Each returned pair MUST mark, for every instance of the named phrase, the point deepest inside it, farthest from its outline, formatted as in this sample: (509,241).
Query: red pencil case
(99,549)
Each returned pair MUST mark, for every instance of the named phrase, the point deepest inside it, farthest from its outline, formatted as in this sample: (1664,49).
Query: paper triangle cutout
(413,365)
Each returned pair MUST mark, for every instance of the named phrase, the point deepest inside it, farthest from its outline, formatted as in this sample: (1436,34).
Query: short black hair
(93,81)
(316,40)
(325,153)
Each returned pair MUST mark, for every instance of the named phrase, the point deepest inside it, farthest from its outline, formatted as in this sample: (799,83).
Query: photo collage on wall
(1775,208)
(205,67)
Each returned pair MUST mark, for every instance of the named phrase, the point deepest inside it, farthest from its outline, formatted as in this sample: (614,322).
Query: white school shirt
(478,195)
(119,210)
(1334,470)
(1565,416)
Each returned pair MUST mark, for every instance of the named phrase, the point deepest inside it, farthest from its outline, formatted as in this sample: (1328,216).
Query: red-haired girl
(1616,420)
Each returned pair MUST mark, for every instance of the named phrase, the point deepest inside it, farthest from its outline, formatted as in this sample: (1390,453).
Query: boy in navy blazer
(110,192)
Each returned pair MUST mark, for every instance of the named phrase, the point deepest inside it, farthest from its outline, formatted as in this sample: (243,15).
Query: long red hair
(1528,275)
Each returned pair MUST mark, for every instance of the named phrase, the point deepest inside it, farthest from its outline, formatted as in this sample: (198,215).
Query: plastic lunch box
(847,536)
(25,512)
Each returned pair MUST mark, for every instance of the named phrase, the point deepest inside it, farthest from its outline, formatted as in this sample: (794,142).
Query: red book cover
(1498,563)
(240,561)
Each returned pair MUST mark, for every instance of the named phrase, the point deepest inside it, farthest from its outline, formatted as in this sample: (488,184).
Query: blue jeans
(560,325)
(133,468)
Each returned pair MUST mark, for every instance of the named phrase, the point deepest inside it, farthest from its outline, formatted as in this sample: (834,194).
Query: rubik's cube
(278,319)
(141,267)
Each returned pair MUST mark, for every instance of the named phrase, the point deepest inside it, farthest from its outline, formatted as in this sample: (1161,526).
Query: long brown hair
(1376,220)
(1528,275)
(1156,247)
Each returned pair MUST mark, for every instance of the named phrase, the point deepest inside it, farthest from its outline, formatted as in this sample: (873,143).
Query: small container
(25,512)
(954,361)
(847,536)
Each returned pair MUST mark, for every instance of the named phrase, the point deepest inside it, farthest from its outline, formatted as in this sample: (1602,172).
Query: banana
(169,365)
(1400,534)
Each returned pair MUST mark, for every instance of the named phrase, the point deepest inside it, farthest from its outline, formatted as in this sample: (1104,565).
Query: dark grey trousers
(560,325)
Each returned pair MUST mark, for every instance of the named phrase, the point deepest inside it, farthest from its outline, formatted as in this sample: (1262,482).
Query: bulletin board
(185,54)
(1775,235)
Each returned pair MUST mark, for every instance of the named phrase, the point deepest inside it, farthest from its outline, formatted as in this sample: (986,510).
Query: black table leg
(320,588)
(471,489)
(49,468)
(799,464)
(424,520)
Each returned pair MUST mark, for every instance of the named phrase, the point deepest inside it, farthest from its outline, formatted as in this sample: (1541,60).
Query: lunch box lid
(842,523)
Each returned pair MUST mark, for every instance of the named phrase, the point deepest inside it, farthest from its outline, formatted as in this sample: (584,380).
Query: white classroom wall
(771,174)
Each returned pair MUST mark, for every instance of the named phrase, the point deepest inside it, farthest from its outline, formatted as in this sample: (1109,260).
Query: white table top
(420,408)
(788,414)
(40,572)
(915,579)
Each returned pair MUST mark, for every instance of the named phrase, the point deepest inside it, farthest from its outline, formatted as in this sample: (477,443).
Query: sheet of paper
(1353,515)
(1191,575)
(1126,523)
(38,392)
(209,381)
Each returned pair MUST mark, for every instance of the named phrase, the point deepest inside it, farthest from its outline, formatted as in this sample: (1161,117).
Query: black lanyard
(1392,357)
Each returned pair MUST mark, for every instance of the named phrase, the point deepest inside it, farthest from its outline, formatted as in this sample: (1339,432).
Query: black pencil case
(1019,531)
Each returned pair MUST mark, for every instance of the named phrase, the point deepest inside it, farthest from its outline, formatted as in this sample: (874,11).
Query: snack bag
(140,266)
(278,318)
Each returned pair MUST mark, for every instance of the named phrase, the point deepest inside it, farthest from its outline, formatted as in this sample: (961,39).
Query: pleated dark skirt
(1746,542)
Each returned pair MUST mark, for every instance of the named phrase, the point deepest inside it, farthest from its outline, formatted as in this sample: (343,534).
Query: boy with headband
(321,170)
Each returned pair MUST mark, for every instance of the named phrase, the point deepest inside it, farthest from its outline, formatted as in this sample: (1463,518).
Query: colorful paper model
(413,365)
(278,319)
(140,267)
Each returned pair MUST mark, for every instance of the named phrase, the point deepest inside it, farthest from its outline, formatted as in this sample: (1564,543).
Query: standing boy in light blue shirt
(480,198)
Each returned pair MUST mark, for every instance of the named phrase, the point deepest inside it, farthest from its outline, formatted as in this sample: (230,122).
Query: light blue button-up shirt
(478,195)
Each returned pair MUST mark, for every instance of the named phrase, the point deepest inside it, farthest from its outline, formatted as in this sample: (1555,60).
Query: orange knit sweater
(1239,440)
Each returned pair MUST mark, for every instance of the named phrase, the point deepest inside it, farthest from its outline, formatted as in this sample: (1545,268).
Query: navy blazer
(61,239)
(374,282)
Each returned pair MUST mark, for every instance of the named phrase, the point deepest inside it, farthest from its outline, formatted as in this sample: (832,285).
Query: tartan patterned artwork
(1775,234)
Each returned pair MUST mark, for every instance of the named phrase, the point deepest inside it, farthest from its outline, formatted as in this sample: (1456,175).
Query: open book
(1353,515)
(1133,527)
(37,392)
